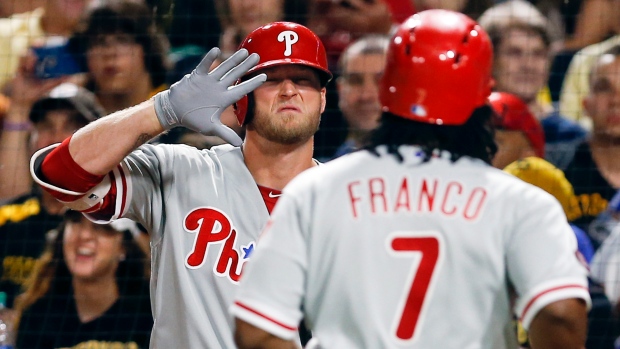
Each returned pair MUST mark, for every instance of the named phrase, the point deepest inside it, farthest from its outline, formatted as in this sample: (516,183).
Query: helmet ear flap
(241,109)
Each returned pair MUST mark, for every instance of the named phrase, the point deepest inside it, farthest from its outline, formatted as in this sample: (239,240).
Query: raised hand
(198,100)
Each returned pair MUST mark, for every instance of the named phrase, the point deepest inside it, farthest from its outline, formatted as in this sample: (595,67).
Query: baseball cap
(68,96)
(549,178)
(512,114)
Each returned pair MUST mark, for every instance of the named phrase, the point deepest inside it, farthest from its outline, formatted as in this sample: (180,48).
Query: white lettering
(289,37)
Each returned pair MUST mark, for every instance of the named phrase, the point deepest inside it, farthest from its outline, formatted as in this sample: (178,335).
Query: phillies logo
(289,37)
(213,226)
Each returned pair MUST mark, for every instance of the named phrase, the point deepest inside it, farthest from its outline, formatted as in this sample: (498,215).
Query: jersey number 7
(425,248)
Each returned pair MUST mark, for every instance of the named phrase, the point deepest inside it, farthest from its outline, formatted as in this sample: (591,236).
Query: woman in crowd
(89,286)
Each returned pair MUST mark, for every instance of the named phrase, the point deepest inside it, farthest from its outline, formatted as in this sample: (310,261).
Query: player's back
(417,254)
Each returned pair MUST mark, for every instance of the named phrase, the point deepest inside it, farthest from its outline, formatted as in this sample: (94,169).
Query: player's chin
(288,135)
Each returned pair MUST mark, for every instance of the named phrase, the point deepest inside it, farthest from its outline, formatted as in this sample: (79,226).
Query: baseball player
(417,242)
(203,209)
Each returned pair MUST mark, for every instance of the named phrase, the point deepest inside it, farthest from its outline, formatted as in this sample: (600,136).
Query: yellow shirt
(17,33)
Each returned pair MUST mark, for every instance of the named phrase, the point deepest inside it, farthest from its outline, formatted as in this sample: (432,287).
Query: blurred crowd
(65,63)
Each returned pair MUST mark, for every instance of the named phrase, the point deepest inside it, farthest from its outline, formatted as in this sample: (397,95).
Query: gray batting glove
(198,100)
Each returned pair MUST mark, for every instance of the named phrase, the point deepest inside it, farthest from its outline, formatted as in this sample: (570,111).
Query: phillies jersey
(204,212)
(387,254)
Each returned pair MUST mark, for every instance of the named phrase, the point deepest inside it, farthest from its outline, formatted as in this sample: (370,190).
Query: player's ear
(323,99)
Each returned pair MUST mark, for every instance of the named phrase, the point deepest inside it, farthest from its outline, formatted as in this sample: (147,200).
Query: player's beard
(285,129)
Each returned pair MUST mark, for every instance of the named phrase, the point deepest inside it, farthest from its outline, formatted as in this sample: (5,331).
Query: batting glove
(198,100)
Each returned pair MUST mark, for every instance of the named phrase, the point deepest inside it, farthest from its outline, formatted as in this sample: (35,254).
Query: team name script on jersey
(377,195)
(213,226)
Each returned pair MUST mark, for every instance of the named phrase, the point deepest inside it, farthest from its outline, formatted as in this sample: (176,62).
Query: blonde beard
(282,132)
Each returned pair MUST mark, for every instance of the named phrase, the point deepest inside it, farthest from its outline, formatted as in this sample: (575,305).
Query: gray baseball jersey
(204,212)
(383,254)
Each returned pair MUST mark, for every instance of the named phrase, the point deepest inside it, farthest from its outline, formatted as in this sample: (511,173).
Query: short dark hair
(475,138)
(133,18)
(497,32)
(366,45)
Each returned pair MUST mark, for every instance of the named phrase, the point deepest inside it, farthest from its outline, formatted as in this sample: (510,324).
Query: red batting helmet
(438,68)
(514,115)
(281,43)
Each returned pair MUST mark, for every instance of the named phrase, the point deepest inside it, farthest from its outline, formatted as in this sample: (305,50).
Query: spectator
(339,23)
(125,54)
(518,134)
(239,17)
(576,85)
(56,18)
(16,130)
(521,67)
(594,170)
(361,66)
(525,12)
(602,321)
(88,289)
(25,220)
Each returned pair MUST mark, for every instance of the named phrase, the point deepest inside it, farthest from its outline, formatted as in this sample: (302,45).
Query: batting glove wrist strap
(166,116)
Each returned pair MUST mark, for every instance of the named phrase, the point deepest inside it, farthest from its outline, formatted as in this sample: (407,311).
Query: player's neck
(274,165)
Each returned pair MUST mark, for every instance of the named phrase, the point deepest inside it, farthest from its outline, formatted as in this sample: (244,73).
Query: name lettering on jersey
(213,226)
(289,38)
(452,198)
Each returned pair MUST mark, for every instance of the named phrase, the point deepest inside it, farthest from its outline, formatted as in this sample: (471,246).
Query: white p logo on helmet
(289,37)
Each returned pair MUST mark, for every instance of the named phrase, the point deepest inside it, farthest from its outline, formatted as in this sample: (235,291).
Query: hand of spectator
(26,88)
(360,16)
(198,100)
